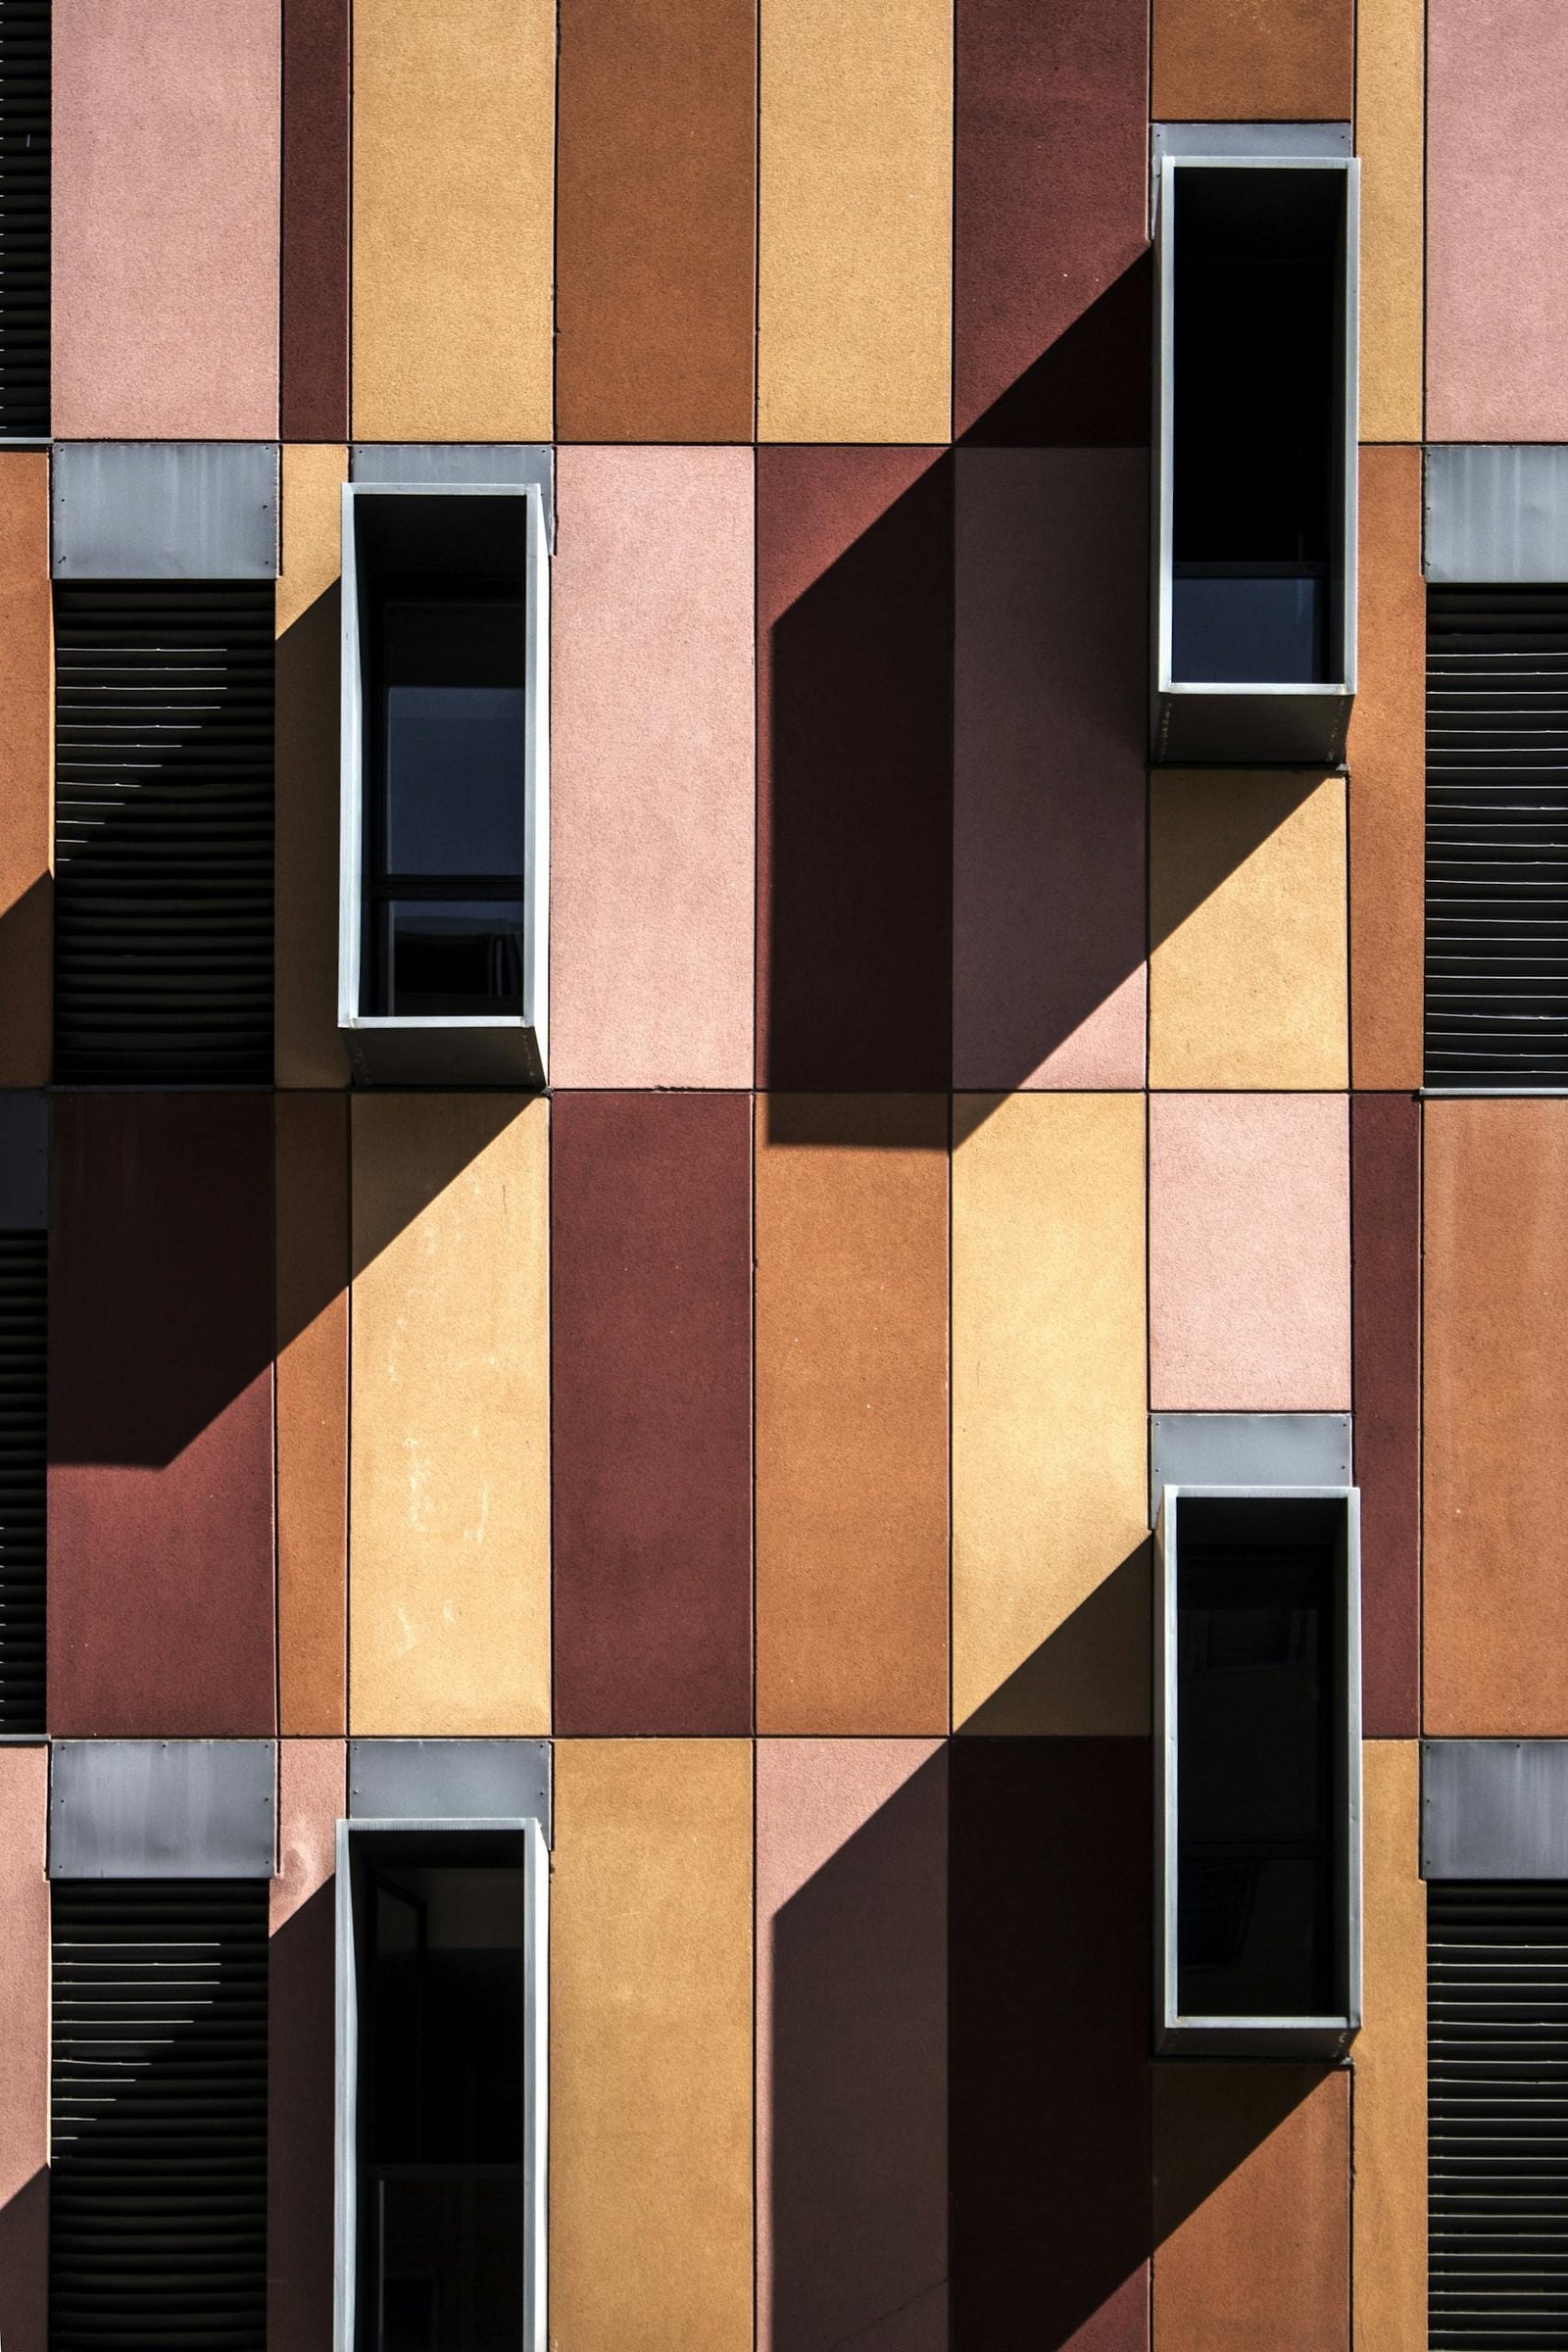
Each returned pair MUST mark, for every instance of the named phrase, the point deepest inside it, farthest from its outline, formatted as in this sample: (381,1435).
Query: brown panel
(312,1411)
(1050,205)
(651,1385)
(851,1414)
(23,2050)
(1218,61)
(656,211)
(316,220)
(1387,778)
(1385,1354)
(1252,2209)
(26,770)
(312,1797)
(161,1416)
(854,737)
(1495,1345)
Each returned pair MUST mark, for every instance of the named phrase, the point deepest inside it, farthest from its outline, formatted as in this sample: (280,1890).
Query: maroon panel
(651,1275)
(855,746)
(1051,208)
(1050,1970)
(316,220)
(1386,1245)
(161,1416)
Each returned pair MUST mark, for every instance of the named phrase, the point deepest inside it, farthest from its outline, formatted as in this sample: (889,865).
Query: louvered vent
(25,219)
(1497,837)
(24,1398)
(158,2207)
(1497,2063)
(164,833)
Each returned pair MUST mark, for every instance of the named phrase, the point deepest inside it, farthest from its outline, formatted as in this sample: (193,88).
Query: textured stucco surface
(1260,61)
(1389,2209)
(23,2048)
(1391,141)
(311,1408)
(307,719)
(27,764)
(1387,778)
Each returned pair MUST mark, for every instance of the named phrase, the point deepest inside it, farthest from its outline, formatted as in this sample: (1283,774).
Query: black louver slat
(25,219)
(164,833)
(1497,2068)
(1496,966)
(23,1400)
(158,2203)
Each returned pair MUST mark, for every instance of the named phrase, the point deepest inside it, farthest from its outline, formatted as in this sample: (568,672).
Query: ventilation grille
(1497,837)
(164,834)
(158,2208)
(23,1478)
(25,219)
(1498,2061)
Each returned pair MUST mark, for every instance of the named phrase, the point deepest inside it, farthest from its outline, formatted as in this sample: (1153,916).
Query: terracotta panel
(1390,2212)
(650,1368)
(1495,1361)
(1252,2208)
(312,1411)
(1385,1246)
(1391,140)
(449,1458)
(653,779)
(1247,981)
(453,160)
(1497,217)
(651,2046)
(1217,60)
(1387,779)
(26,770)
(852,1999)
(161,1611)
(165,219)
(1249,1254)
(23,2049)
(1051,718)
(855,768)
(315,325)
(656,238)
(301,1971)
(855,220)
(1048,2008)
(1050,180)
(851,1414)
(307,717)
(1049,1440)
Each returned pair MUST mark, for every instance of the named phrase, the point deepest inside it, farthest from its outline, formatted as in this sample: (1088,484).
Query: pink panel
(166,219)
(1497,221)
(852,2190)
(653,800)
(23,2049)
(312,1791)
(1249,1254)
(1049,723)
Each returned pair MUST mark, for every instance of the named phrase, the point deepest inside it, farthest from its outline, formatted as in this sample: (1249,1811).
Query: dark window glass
(454,955)
(453,779)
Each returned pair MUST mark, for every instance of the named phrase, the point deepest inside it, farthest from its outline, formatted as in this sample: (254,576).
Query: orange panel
(313,1409)
(23,2049)
(1254,61)
(1387,778)
(26,762)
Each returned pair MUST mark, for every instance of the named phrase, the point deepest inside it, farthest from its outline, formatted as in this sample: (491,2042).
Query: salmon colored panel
(656,231)
(1390,2267)
(1050,1439)
(1497,221)
(26,770)
(651,2046)
(653,779)
(161,1623)
(1386,1276)
(1051,722)
(315,326)
(1387,779)
(1495,1358)
(454,161)
(165,219)
(855,218)
(1252,2208)
(1249,1254)
(306,779)
(312,1411)
(1246,978)
(851,2075)
(1285,61)
(448,1459)
(301,1973)
(23,2049)
(852,1413)
(1391,140)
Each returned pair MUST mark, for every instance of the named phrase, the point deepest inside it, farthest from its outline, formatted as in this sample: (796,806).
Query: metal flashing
(1495,513)
(450,1779)
(509,463)
(1246,1449)
(164,509)
(1494,1808)
(162,1808)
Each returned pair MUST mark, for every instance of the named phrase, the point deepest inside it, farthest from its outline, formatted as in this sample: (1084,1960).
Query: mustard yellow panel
(309,1049)
(1389,2209)
(1391,140)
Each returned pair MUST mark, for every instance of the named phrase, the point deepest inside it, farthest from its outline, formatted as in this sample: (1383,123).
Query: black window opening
(25,85)
(23,1477)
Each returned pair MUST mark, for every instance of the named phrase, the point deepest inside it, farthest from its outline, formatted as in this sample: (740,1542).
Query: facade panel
(308,1050)
(1218,61)
(1391,140)
(1386,1235)
(26,765)
(23,2049)
(300,1979)
(314,326)
(1387,778)
(1388,2307)
(312,1411)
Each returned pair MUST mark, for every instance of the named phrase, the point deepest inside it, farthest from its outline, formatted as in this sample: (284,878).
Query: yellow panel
(1050,1470)
(1248,930)
(310,1052)
(855,220)
(1389,2211)
(1390,137)
(651,2046)
(449,1485)
(453,223)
